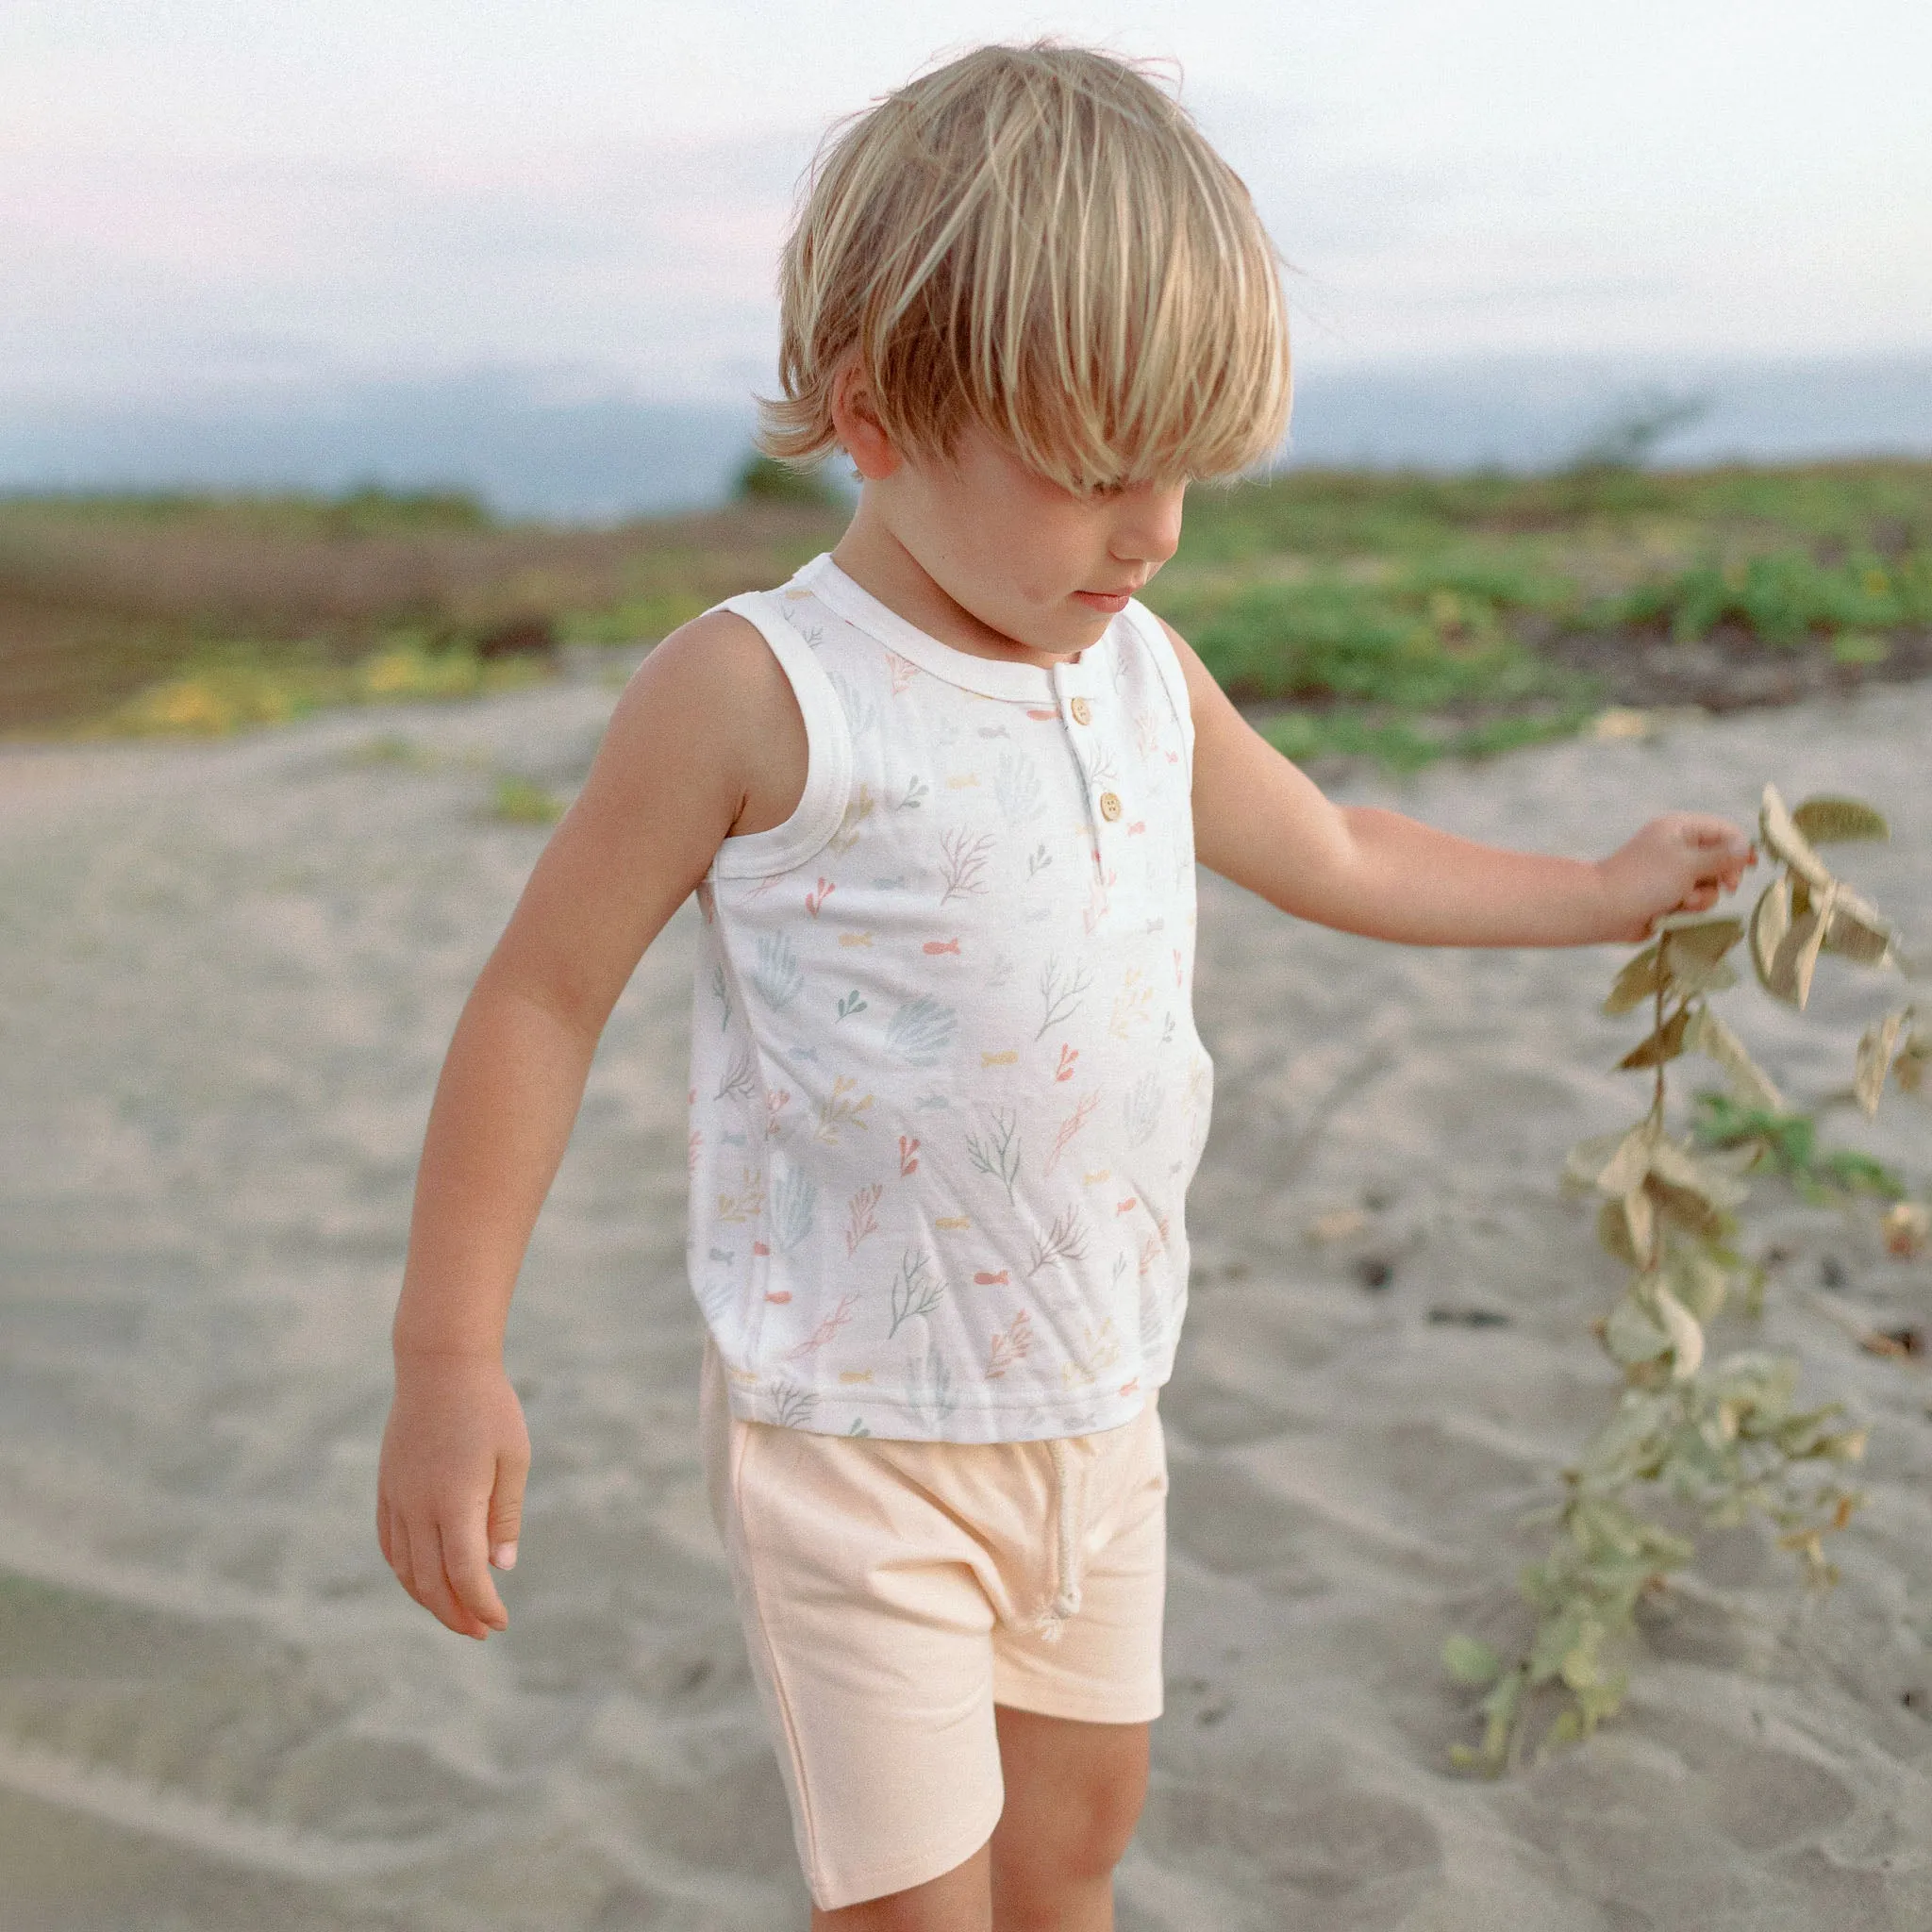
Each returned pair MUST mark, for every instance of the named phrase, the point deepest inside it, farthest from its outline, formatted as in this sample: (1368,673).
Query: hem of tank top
(862,1395)
(822,805)
(738,1393)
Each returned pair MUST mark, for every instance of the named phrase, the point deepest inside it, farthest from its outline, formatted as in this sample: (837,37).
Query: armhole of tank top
(1173,680)
(828,755)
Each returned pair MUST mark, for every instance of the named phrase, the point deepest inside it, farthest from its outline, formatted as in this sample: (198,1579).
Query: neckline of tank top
(990,677)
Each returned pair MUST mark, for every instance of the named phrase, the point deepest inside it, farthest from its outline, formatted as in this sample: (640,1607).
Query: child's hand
(450,1492)
(1677,863)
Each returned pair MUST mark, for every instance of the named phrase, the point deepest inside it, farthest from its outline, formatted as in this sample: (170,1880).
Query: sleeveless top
(946,1093)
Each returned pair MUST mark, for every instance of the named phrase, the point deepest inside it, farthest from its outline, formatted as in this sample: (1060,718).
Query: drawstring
(1065,1601)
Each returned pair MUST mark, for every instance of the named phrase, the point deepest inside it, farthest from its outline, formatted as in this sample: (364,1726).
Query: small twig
(1873,1340)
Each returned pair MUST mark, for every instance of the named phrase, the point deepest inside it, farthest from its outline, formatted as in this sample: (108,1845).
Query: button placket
(1076,717)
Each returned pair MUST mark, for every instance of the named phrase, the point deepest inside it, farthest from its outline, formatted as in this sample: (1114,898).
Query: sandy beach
(227,976)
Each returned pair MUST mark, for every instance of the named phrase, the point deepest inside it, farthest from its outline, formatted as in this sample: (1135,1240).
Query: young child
(940,798)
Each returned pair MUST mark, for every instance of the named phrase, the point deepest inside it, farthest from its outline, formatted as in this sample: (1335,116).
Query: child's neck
(880,564)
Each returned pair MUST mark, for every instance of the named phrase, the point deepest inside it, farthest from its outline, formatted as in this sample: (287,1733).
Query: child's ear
(856,418)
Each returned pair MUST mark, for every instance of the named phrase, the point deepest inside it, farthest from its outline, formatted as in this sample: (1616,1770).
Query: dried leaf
(1709,1036)
(1637,982)
(1874,1059)
(1628,1162)
(1471,1662)
(1337,1225)
(1796,958)
(1826,821)
(1771,919)
(1685,1208)
(1782,836)
(1905,1226)
(1632,1335)
(1665,1043)
(1857,930)
(1705,941)
(1699,1281)
(1640,1221)
(1694,976)
(1589,1158)
(1908,1072)
(1685,1332)
(1613,1231)
(1673,1162)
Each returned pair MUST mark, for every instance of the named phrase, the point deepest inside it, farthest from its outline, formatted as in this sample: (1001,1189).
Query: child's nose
(1150,527)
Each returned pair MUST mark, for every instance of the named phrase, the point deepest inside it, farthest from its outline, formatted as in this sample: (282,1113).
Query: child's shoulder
(714,682)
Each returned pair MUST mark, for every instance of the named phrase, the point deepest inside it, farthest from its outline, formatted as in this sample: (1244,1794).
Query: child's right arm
(706,741)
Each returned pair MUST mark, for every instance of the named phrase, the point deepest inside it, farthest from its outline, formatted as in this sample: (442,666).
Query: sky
(201,195)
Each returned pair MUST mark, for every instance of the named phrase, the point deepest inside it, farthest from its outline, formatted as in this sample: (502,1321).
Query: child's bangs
(1046,244)
(1113,303)
(1134,331)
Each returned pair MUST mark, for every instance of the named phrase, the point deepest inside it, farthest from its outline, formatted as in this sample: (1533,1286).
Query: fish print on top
(946,1093)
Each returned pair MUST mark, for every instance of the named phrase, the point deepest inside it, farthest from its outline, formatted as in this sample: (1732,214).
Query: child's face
(1042,568)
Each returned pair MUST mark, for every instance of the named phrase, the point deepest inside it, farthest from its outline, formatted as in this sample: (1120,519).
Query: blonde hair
(1038,239)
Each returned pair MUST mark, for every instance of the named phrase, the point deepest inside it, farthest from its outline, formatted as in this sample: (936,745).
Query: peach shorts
(893,1592)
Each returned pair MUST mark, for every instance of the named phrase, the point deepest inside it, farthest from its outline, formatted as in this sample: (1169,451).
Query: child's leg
(958,1901)
(1074,1796)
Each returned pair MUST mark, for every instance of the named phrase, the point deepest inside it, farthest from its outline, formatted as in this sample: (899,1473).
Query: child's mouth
(1112,601)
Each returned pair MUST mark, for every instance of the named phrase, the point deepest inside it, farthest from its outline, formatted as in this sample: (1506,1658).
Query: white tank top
(946,1092)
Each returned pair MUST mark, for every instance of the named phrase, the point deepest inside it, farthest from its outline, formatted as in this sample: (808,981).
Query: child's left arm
(1261,822)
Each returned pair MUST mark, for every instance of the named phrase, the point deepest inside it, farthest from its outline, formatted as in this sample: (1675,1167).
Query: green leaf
(1826,821)
(1471,1662)
(1567,1729)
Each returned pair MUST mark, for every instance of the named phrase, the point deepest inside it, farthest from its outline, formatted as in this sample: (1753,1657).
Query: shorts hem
(880,1881)
(1045,1700)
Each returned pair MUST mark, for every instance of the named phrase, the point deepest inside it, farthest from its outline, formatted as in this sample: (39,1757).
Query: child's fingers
(1708,829)
(399,1551)
(432,1588)
(382,1526)
(506,1511)
(456,1612)
(418,1562)
(465,1561)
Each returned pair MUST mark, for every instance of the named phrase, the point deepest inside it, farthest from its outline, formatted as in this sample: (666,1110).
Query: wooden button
(1109,806)
(1082,710)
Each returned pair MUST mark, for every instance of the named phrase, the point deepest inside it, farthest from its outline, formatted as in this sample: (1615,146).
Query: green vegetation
(224,688)
(1787,1144)
(1689,1440)
(519,801)
(1786,599)
(1391,618)
(764,479)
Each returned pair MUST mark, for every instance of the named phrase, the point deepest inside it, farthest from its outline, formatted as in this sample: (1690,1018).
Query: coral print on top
(947,1091)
